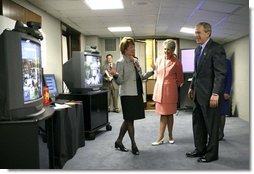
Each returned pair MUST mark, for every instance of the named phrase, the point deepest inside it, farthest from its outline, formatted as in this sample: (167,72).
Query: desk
(68,133)
(95,106)
(42,142)
(27,144)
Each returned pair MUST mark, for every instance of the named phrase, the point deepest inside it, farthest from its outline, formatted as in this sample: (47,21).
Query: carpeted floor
(100,154)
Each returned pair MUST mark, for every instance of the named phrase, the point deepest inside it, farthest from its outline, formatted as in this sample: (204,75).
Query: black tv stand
(28,143)
(95,106)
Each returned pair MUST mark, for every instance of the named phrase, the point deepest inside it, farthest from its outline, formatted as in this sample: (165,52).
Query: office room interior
(70,25)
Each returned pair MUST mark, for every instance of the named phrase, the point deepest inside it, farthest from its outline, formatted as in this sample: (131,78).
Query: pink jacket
(169,76)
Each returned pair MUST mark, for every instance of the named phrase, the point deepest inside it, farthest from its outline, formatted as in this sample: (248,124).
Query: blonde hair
(169,43)
(125,43)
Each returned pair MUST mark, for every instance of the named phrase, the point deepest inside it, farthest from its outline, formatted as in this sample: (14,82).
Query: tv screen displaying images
(32,82)
(92,68)
(82,73)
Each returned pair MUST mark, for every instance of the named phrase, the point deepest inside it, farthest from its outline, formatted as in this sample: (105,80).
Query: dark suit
(208,78)
(227,89)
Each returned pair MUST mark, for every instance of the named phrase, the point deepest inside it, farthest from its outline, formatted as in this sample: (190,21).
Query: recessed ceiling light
(104,4)
(119,29)
(140,2)
(187,30)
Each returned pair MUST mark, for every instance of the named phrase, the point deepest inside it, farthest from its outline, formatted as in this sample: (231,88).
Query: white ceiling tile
(244,10)
(219,6)
(154,17)
(238,2)
(238,19)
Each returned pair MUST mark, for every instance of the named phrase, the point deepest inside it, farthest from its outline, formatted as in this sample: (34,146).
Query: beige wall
(238,51)
(187,43)
(116,54)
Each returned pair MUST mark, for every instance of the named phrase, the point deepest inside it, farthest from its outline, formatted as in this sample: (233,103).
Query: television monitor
(50,82)
(21,90)
(188,60)
(82,72)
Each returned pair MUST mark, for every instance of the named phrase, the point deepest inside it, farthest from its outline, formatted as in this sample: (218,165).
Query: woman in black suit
(128,75)
(206,91)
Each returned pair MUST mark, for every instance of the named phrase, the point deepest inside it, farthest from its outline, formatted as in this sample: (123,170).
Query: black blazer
(209,77)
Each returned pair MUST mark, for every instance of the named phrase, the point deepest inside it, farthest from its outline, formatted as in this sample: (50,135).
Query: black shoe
(221,136)
(194,154)
(121,147)
(203,159)
(135,150)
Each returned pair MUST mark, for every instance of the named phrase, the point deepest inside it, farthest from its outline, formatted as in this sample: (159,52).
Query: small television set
(188,60)
(21,90)
(82,73)
(50,82)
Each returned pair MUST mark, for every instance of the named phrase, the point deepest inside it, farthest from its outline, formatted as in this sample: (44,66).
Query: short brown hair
(207,27)
(109,55)
(125,43)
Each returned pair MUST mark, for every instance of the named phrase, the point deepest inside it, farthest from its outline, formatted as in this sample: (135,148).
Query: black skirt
(133,107)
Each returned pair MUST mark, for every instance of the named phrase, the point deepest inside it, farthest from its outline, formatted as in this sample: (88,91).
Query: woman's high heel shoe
(135,150)
(156,143)
(121,147)
(171,140)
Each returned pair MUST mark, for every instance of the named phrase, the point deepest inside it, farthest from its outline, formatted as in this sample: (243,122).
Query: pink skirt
(165,108)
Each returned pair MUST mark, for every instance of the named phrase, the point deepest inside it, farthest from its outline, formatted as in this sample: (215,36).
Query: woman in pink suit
(169,76)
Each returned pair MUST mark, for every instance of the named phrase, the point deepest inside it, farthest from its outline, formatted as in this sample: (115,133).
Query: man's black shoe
(221,136)
(204,160)
(194,154)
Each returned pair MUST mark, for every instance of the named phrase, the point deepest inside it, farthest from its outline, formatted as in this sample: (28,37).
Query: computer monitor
(187,59)
(50,82)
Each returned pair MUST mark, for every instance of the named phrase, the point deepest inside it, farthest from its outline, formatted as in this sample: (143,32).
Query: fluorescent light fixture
(104,4)
(119,29)
(187,30)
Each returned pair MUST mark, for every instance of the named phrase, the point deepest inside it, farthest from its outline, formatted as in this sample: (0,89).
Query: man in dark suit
(206,91)
(225,104)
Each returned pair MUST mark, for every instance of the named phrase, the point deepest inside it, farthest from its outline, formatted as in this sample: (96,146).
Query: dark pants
(206,130)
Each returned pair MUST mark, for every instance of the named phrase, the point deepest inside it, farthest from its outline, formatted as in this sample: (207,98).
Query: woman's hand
(153,67)
(190,94)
